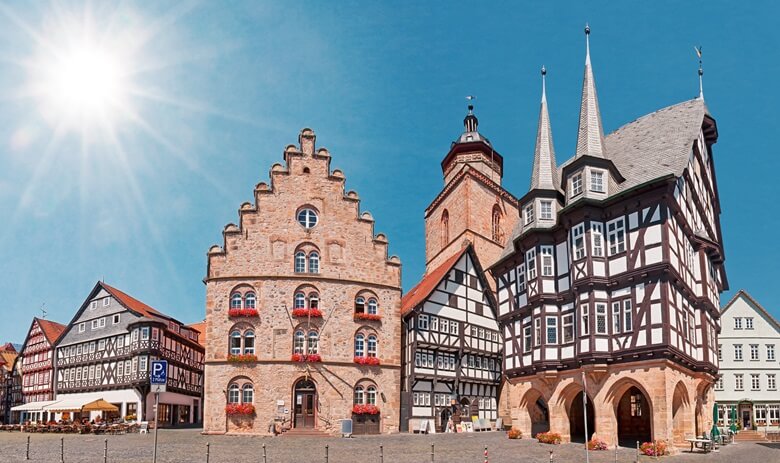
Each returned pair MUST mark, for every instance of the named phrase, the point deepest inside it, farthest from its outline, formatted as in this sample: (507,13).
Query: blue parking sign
(159,372)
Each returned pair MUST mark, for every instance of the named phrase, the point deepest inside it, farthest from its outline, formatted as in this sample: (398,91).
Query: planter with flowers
(242,358)
(367,409)
(306,358)
(239,409)
(305,313)
(367,316)
(242,313)
(596,444)
(514,433)
(370,361)
(549,438)
(657,448)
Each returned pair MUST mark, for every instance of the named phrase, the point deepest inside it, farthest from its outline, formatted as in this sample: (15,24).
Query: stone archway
(577,419)
(633,412)
(538,412)
(305,404)
(681,413)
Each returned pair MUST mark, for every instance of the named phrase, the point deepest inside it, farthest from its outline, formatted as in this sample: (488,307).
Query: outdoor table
(704,444)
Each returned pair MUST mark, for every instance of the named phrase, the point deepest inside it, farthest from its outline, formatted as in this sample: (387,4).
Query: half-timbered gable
(627,273)
(37,357)
(107,350)
(452,345)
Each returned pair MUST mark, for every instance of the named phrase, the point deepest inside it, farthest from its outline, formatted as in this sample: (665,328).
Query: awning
(99,405)
(69,404)
(34,406)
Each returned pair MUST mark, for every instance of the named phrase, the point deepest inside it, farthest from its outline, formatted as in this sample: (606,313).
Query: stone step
(305,432)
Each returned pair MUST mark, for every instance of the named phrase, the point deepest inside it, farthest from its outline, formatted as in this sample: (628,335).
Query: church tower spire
(544,174)
(590,136)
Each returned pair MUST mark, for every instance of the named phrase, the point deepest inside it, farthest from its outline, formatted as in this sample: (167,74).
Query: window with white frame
(357,397)
(770,382)
(628,318)
(106,301)
(749,323)
(530,259)
(422,322)
(537,331)
(529,213)
(299,300)
(235,343)
(545,209)
(754,352)
(616,317)
(94,324)
(601,318)
(307,218)
(233,394)
(313,342)
(82,327)
(373,307)
(249,342)
(115,319)
(585,319)
(372,345)
(521,278)
(738,352)
(774,413)
(616,236)
(314,262)
(552,330)
(527,339)
(597,181)
(597,238)
(547,261)
(235,301)
(738,384)
(578,241)
(247,394)
(93,305)
(720,352)
(719,384)
(568,328)
(434,323)
(770,352)
(300,262)
(737,323)
(755,382)
(299,340)
(360,345)
(576,184)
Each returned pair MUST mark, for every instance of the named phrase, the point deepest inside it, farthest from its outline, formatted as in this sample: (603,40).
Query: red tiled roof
(7,347)
(201,328)
(52,330)
(429,282)
(134,304)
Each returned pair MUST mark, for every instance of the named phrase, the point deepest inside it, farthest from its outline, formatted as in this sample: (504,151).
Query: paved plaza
(190,446)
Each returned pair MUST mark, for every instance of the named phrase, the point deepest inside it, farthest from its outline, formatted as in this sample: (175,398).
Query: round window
(307,218)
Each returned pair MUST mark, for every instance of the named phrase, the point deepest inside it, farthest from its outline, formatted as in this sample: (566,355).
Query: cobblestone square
(180,446)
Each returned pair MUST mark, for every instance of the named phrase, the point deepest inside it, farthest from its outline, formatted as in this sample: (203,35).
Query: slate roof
(430,281)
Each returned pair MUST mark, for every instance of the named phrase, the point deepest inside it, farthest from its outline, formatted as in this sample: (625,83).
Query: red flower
(309,358)
(303,313)
(242,313)
(239,409)
(243,358)
(367,316)
(373,361)
(368,409)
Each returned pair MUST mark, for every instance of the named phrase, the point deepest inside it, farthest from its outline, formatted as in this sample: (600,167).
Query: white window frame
(616,236)
(422,322)
(585,319)
(106,301)
(597,184)
(545,209)
(82,327)
(551,330)
(770,352)
(739,383)
(771,382)
(93,305)
(578,241)
(755,382)
(527,339)
(616,325)
(115,319)
(307,217)
(754,352)
(748,323)
(601,317)
(528,210)
(568,325)
(548,264)
(737,352)
(521,282)
(576,185)
(537,331)
(597,238)
(530,259)
(628,316)
(737,323)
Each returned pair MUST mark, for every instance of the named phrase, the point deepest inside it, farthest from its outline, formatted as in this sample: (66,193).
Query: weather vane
(471,98)
(43,310)
(701,72)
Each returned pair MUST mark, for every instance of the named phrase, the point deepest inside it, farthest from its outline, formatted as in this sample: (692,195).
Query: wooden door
(304,409)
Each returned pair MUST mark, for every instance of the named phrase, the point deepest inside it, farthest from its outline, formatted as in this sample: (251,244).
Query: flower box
(308,358)
(358,409)
(367,316)
(656,448)
(242,358)
(597,444)
(367,361)
(514,434)
(242,313)
(239,409)
(549,438)
(304,313)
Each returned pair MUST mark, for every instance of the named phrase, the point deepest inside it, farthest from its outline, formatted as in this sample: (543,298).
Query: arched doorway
(540,416)
(577,419)
(444,418)
(680,413)
(633,418)
(305,404)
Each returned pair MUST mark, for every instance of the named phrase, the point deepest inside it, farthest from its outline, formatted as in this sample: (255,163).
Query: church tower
(472,207)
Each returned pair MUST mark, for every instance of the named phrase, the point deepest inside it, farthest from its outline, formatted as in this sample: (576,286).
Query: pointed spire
(544,174)
(701,73)
(590,137)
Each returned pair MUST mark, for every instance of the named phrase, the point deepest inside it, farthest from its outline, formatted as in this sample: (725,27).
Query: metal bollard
(433,453)
(208,452)
(62,450)
(264,455)
(551,456)
(105,451)
(637,452)
(326,454)
(28,448)
(616,452)
(486,454)
(381,453)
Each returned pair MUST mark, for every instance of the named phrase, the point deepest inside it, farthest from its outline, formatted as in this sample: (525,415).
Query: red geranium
(302,313)
(239,409)
(306,358)
(359,409)
(242,313)
(243,358)
(367,316)
(367,360)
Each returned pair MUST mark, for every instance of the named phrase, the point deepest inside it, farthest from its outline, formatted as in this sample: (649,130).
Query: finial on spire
(470,123)
(587,44)
(701,73)
(544,86)
(590,136)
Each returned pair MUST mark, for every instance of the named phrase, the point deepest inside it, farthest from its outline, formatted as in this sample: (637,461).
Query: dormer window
(576,185)
(597,181)
(545,210)
(529,214)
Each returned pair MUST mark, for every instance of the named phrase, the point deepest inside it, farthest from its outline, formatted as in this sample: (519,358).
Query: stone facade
(258,267)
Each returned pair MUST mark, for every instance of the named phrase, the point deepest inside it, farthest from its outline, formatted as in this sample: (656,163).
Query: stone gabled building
(302,308)
(610,283)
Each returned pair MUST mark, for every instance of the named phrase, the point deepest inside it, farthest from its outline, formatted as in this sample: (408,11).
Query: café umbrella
(733,419)
(715,431)
(99,405)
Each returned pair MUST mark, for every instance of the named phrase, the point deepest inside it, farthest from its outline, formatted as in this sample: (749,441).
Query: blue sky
(219,89)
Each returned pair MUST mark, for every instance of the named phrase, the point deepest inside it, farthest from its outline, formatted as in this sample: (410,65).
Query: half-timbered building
(9,397)
(302,309)
(451,346)
(106,352)
(610,283)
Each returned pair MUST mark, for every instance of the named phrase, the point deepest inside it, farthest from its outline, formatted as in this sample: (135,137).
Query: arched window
(360,345)
(249,342)
(371,395)
(298,342)
(496,229)
(247,394)
(314,300)
(314,262)
(372,306)
(235,301)
(358,397)
(300,301)
(372,345)
(445,228)
(313,342)
(300,262)
(360,304)
(233,396)
(235,343)
(250,300)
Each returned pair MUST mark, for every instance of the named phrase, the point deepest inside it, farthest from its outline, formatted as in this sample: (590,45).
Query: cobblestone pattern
(177,446)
